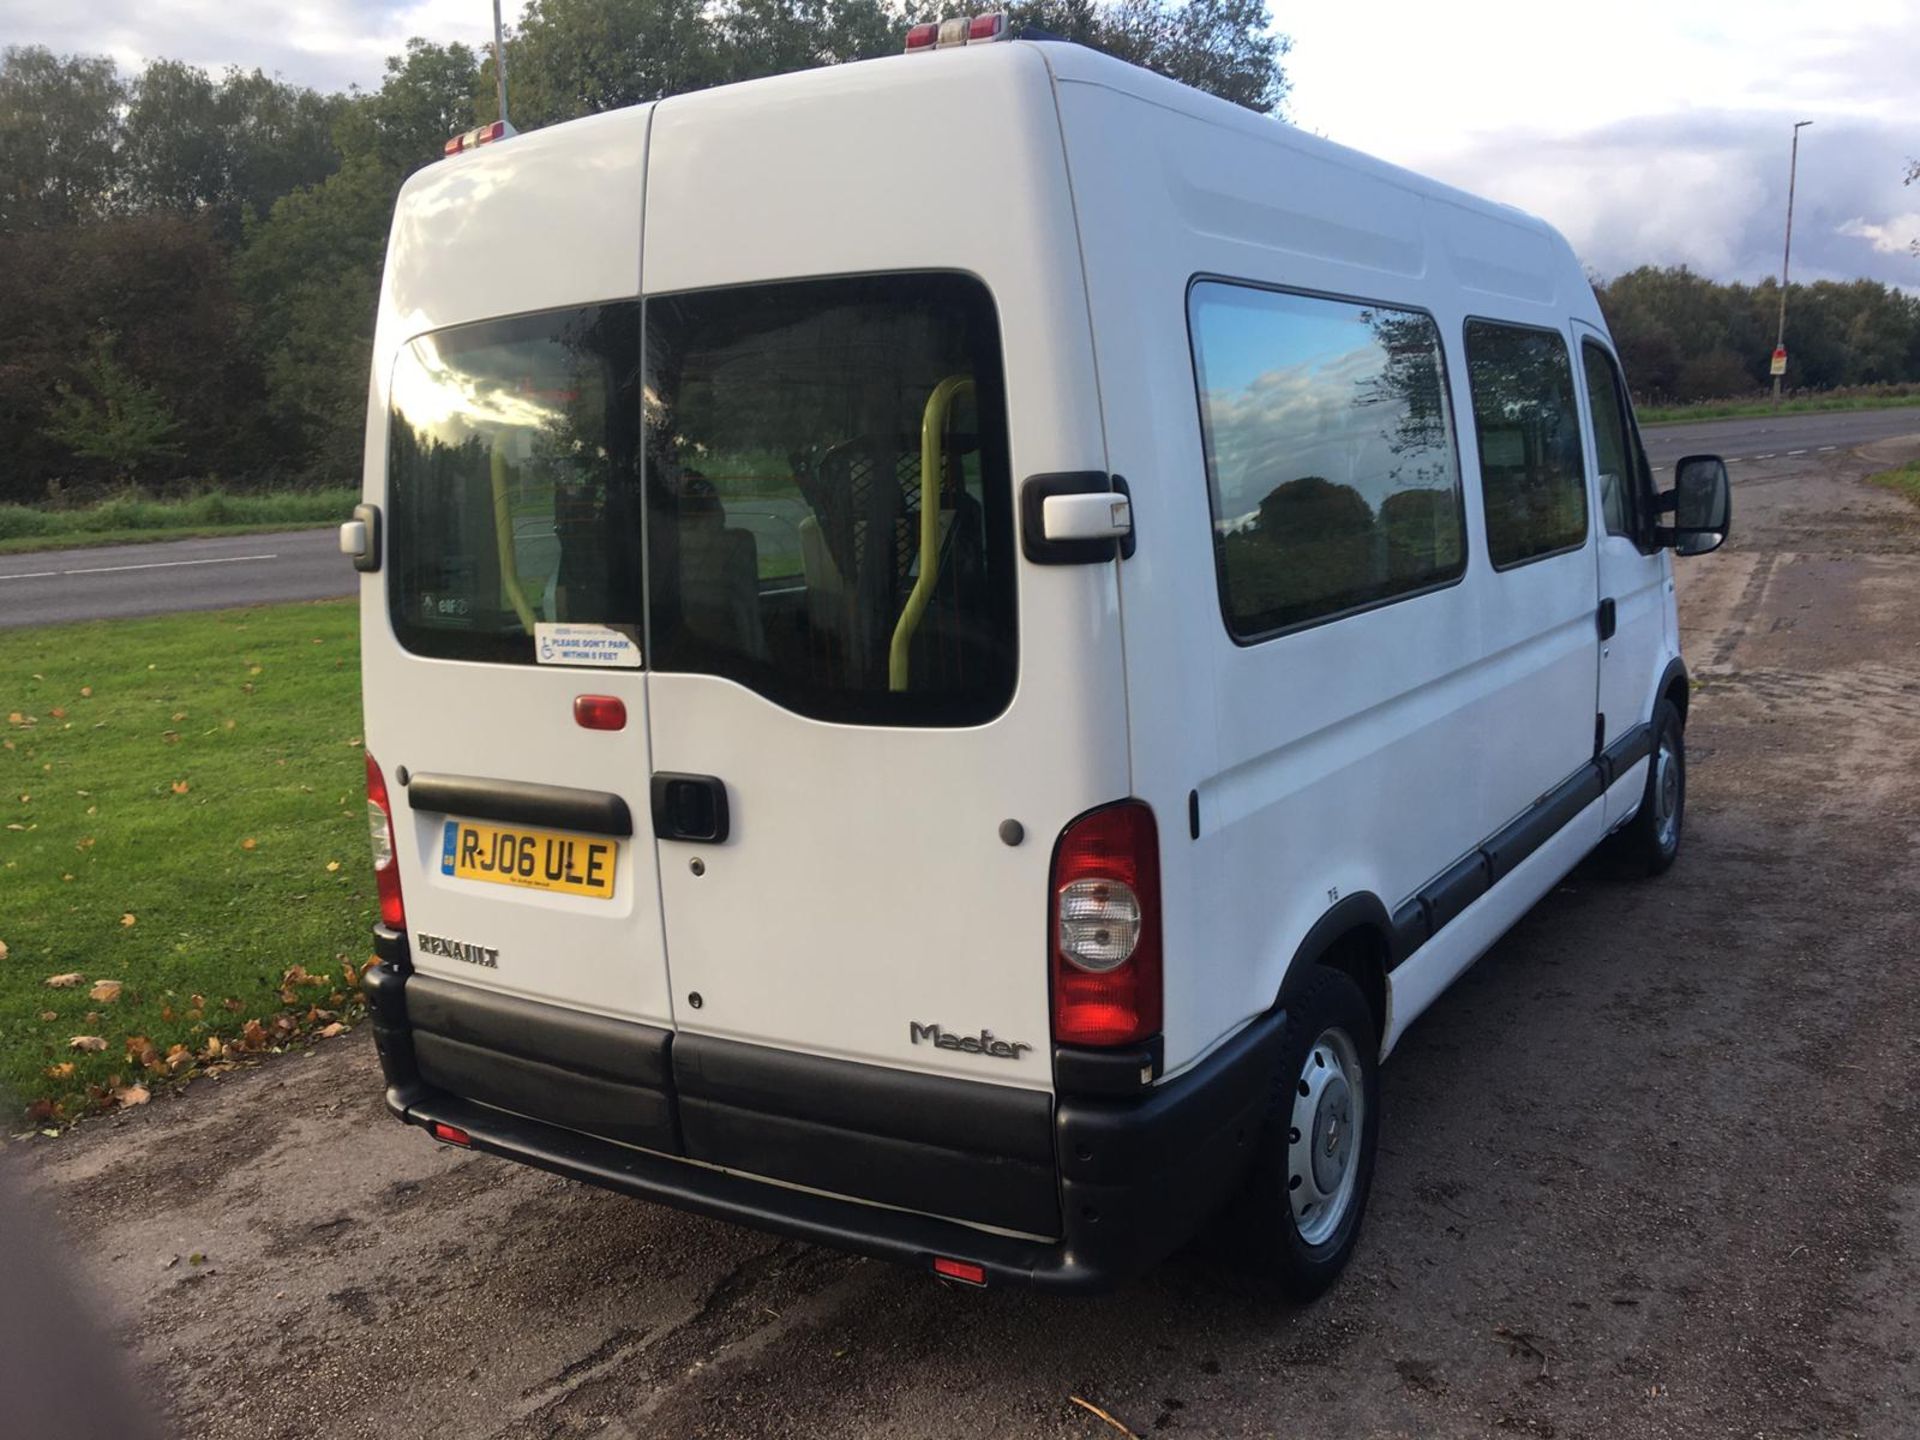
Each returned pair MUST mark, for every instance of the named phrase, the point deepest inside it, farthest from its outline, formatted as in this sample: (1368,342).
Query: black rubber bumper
(1127,1181)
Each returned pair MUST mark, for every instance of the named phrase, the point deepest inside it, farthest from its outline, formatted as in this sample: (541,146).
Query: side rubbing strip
(1542,822)
(593,811)
(1422,916)
(1458,888)
(1626,752)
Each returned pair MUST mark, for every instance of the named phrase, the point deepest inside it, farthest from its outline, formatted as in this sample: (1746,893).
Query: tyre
(1649,843)
(1299,1213)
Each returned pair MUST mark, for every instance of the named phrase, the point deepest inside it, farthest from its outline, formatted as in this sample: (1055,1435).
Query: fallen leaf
(255,669)
(86,842)
(66,981)
(3,950)
(248,843)
(129,919)
(14,717)
(332,866)
(132,1095)
(86,1042)
(62,1071)
(329,1031)
(49,1016)
(180,787)
(179,715)
(86,690)
(57,713)
(178,1057)
(104,991)
(233,1005)
(196,1258)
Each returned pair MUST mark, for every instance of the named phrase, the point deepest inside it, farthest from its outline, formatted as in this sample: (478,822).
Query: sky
(1649,131)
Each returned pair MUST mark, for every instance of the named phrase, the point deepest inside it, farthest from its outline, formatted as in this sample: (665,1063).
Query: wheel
(1649,843)
(1307,1187)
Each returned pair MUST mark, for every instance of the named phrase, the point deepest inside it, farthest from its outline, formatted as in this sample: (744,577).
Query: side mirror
(1701,503)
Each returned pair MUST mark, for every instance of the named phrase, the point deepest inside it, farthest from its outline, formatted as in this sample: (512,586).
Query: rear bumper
(1120,1184)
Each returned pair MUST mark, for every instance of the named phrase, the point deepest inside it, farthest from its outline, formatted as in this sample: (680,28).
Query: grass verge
(128,519)
(184,834)
(1743,409)
(1903,478)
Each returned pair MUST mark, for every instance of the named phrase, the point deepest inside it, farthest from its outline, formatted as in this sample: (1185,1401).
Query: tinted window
(1330,456)
(1529,436)
(787,488)
(512,482)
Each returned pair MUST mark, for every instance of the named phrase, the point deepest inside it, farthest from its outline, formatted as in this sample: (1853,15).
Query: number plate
(531,859)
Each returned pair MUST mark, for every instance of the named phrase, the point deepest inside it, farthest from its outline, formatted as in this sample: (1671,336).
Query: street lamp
(1780,337)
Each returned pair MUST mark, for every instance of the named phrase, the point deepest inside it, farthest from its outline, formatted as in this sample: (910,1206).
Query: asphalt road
(1775,437)
(1650,1169)
(49,587)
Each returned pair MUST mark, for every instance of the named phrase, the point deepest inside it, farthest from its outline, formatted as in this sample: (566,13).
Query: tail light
(1104,920)
(386,863)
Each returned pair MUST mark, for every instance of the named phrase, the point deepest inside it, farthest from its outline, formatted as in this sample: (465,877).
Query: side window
(1330,454)
(1614,444)
(1529,435)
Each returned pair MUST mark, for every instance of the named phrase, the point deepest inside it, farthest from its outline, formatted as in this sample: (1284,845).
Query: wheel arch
(1675,686)
(1355,936)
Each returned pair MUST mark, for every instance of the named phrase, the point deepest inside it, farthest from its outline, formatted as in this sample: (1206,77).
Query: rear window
(513,482)
(827,512)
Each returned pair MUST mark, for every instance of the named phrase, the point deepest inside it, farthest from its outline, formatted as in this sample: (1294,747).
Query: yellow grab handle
(933,424)
(503,538)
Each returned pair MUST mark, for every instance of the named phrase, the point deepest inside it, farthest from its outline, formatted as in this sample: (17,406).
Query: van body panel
(866,888)
(546,219)
(541,222)
(1367,753)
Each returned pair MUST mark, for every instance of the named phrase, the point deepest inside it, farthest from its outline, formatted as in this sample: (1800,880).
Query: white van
(955,646)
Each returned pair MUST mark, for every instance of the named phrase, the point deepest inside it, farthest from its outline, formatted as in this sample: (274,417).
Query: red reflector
(455,145)
(921,37)
(452,1134)
(985,27)
(964,1271)
(599,712)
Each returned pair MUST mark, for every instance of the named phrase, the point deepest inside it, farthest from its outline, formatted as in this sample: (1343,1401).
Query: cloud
(1899,237)
(329,44)
(1708,189)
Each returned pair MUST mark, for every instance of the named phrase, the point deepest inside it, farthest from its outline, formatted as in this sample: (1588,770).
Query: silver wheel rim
(1323,1143)
(1666,795)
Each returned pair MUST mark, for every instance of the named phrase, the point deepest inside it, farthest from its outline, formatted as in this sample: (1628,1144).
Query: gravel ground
(1651,1168)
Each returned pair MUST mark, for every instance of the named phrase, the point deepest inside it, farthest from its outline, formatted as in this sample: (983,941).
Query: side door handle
(1608,618)
(689,807)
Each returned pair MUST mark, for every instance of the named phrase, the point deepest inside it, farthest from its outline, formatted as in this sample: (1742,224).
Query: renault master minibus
(955,646)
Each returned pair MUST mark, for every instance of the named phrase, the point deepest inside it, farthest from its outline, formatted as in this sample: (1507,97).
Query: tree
(1225,47)
(59,137)
(117,420)
(231,146)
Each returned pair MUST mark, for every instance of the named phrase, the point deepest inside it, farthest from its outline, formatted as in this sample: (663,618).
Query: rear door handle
(1608,619)
(689,807)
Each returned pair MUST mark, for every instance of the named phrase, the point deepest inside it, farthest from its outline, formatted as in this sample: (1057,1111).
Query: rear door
(860,335)
(504,452)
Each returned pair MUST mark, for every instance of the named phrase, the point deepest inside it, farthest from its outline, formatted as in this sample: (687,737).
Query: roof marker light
(483,135)
(958,30)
